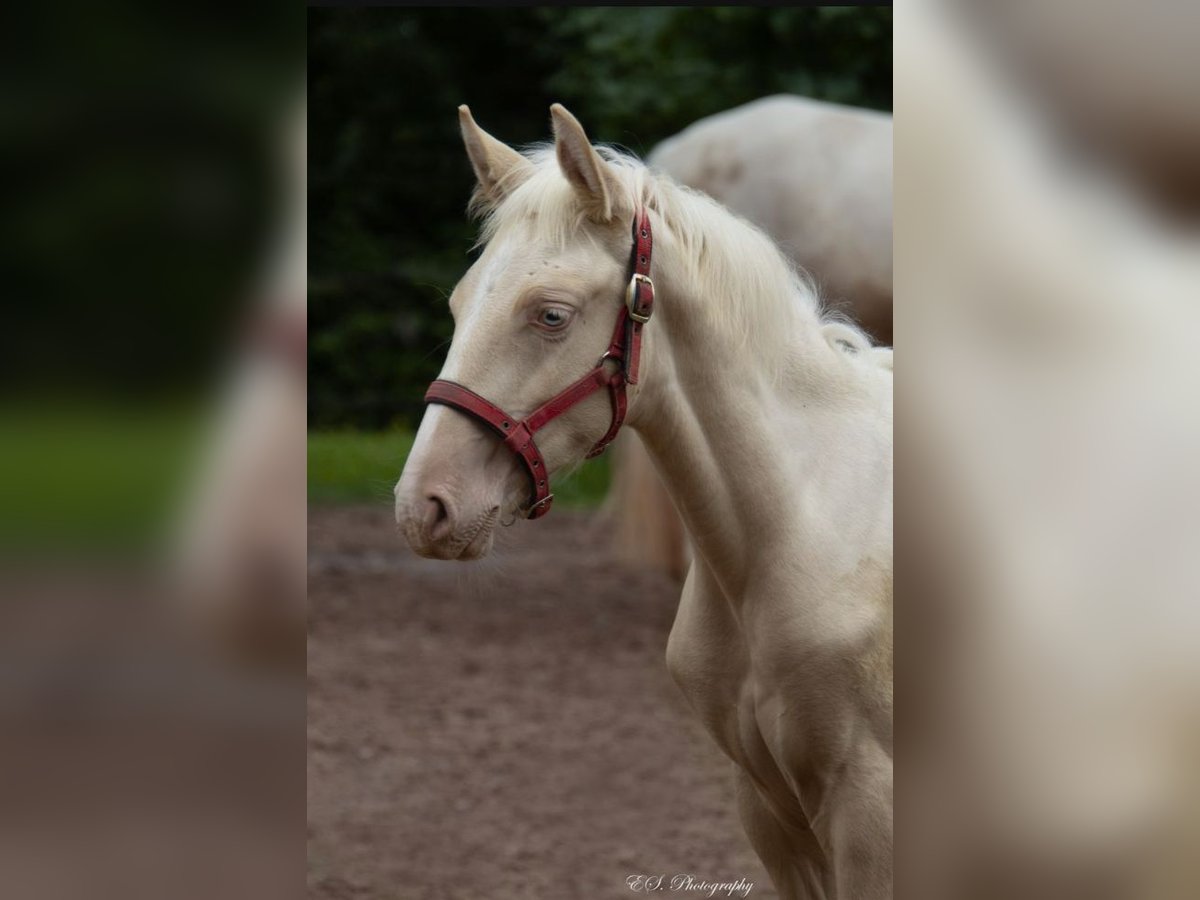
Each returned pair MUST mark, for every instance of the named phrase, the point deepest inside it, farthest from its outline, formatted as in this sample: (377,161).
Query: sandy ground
(502,729)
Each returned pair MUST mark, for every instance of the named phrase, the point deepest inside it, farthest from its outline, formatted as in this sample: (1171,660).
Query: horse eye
(553,317)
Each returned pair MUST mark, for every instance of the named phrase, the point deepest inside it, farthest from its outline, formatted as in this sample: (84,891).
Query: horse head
(533,314)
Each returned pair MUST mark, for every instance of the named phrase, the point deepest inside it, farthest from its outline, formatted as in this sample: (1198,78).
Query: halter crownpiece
(625,349)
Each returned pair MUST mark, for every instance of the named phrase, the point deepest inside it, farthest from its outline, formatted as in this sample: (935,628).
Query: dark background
(139,151)
(389,182)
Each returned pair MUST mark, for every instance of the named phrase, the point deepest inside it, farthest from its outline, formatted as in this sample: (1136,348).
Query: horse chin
(481,544)
(478,542)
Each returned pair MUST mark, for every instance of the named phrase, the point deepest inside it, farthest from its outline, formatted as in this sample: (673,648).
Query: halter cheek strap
(624,349)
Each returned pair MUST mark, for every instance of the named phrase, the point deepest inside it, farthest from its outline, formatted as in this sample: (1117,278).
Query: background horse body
(817,178)
(772,429)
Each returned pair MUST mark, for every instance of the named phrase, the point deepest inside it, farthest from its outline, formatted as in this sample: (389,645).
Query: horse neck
(725,421)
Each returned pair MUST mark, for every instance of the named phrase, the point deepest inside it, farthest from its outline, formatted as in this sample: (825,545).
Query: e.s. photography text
(689,885)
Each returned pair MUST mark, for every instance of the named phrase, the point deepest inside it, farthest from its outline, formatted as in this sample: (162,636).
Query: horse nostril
(437,517)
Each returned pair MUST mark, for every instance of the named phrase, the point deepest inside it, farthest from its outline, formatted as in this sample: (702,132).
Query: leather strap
(625,349)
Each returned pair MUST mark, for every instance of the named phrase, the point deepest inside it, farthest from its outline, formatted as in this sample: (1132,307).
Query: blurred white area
(1049,432)
(239,563)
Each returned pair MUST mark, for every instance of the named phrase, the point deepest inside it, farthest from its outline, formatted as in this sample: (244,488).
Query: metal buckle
(631,296)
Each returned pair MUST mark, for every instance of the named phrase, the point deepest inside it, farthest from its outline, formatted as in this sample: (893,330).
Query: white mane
(725,252)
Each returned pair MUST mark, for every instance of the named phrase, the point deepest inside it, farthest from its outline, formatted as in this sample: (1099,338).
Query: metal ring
(536,506)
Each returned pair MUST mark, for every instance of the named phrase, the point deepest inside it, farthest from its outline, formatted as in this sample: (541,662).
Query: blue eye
(553,318)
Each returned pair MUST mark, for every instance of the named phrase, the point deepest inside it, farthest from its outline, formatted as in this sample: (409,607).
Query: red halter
(625,349)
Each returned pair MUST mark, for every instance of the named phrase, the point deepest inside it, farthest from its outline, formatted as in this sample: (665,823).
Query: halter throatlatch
(624,349)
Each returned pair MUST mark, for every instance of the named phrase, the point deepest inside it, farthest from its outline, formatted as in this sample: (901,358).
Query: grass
(355,466)
(104,478)
(362,467)
(110,478)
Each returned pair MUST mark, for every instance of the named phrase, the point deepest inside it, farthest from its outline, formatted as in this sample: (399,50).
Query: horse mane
(726,252)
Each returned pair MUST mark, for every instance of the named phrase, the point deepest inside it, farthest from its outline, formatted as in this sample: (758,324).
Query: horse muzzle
(454,489)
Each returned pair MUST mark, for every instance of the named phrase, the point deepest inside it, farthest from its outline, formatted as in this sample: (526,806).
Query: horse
(771,426)
(817,177)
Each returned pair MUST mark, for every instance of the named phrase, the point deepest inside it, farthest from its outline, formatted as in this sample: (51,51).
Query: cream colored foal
(773,432)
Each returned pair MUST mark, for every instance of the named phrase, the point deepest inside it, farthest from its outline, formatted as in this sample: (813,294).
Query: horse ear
(588,173)
(498,167)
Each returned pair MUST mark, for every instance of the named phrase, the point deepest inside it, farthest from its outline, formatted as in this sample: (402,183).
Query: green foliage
(140,150)
(389,181)
(636,79)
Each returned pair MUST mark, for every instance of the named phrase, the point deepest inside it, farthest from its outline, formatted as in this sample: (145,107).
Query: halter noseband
(625,349)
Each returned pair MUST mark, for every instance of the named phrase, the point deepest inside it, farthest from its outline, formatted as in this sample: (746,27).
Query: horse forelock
(753,290)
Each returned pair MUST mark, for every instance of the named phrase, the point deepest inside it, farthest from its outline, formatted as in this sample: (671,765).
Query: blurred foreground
(152,197)
(1047,300)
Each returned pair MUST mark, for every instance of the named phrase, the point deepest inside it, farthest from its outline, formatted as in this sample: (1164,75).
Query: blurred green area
(346,466)
(94,478)
(389,182)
